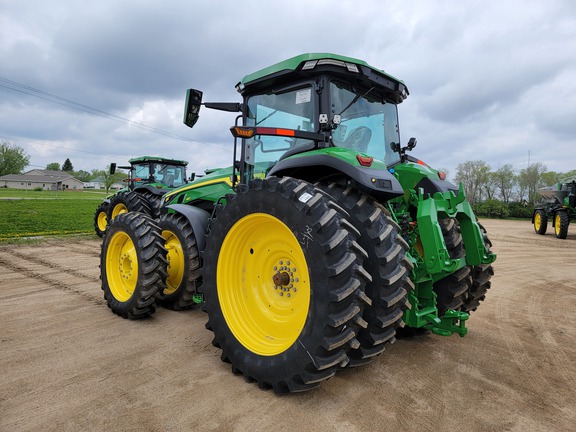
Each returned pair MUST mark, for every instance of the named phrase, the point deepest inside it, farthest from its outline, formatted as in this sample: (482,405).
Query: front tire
(481,275)
(451,291)
(132,265)
(283,284)
(101,219)
(183,262)
(540,221)
(561,222)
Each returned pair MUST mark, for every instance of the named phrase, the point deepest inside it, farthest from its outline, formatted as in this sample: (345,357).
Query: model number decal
(306,237)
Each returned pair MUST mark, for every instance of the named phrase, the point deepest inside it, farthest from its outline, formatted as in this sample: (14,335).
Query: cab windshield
(368,123)
(167,174)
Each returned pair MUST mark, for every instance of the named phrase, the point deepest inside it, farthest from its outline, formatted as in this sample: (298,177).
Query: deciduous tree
(13,159)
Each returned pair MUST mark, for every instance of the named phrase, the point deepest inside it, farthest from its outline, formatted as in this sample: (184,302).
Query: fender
(379,183)
(198,220)
(431,186)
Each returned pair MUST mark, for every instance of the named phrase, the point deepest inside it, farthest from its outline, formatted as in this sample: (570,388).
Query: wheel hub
(284,279)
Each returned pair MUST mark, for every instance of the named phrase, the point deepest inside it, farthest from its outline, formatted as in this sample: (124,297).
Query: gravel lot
(68,364)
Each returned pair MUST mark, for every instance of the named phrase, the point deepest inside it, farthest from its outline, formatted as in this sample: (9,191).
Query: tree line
(505,191)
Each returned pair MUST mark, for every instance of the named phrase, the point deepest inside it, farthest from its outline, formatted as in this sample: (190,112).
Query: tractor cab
(317,116)
(153,170)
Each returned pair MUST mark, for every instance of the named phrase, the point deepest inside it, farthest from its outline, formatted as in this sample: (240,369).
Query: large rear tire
(561,223)
(283,283)
(388,266)
(133,265)
(183,262)
(540,221)
(101,219)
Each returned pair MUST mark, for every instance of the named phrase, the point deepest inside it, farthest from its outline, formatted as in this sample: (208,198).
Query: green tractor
(321,242)
(149,178)
(559,204)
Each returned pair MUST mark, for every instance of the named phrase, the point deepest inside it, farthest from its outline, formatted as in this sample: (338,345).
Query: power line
(32,91)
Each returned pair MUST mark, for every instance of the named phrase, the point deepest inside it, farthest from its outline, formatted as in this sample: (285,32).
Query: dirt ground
(68,364)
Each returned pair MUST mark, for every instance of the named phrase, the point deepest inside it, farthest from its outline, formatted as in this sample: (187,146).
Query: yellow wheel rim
(537,221)
(121,266)
(118,210)
(557,223)
(175,262)
(263,284)
(102,221)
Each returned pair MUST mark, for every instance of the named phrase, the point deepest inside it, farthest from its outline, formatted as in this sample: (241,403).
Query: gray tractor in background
(558,203)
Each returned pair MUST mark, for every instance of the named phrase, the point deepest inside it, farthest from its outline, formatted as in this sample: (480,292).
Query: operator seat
(358,139)
(169,180)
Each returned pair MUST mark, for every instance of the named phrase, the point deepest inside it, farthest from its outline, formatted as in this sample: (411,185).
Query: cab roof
(315,63)
(148,159)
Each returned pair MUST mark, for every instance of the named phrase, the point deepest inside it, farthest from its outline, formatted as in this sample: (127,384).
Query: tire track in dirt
(558,357)
(85,249)
(48,279)
(518,352)
(54,266)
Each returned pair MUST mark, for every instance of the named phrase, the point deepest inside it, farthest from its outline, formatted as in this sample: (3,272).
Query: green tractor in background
(149,177)
(559,204)
(322,240)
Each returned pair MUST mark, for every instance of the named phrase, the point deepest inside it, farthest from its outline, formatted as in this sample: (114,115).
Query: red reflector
(442,175)
(274,131)
(364,160)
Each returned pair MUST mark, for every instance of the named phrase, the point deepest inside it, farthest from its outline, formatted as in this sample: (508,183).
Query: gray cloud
(488,80)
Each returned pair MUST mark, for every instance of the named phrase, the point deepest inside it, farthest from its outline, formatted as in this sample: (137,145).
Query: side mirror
(112,168)
(192,107)
(411,143)
(192,176)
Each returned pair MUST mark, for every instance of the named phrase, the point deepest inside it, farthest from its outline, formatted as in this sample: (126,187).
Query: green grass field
(46,213)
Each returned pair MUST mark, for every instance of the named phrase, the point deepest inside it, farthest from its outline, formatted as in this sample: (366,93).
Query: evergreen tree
(67,166)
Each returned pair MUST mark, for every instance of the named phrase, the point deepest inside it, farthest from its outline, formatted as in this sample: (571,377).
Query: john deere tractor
(321,241)
(558,203)
(149,178)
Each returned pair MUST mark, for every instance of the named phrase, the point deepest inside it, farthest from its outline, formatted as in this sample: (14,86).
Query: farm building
(41,179)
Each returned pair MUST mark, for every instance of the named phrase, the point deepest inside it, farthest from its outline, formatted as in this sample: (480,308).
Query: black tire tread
(183,297)
(451,291)
(481,275)
(102,208)
(152,264)
(326,351)
(386,263)
(564,223)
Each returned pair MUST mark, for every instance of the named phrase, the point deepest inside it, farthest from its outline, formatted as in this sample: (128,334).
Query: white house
(41,179)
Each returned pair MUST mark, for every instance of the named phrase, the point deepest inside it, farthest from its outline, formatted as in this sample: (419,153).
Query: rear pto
(321,241)
(559,204)
(149,178)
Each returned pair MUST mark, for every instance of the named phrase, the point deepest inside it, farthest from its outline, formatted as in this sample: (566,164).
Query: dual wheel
(464,289)
(145,262)
(561,222)
(286,279)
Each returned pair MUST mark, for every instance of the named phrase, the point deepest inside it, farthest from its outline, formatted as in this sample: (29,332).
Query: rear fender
(377,182)
(198,218)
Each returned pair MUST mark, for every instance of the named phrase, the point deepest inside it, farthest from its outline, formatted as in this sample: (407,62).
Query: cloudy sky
(103,81)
